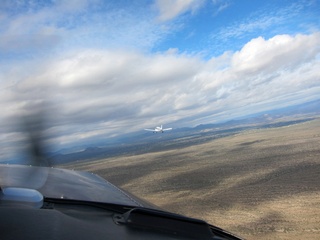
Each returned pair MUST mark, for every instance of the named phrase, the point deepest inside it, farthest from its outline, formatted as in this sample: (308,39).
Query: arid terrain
(258,184)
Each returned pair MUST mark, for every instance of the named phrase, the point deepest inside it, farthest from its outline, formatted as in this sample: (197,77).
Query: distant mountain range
(141,142)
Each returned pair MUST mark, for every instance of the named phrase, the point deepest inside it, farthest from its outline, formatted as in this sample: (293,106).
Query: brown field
(259,184)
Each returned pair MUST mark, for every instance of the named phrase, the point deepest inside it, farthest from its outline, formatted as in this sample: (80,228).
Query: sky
(99,69)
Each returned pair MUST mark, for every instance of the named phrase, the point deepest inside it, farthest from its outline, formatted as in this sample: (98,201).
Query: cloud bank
(97,76)
(108,91)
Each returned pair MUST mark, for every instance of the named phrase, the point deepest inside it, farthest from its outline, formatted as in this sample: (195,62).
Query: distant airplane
(158,129)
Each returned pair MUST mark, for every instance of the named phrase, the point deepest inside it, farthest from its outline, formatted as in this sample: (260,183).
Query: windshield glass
(65,184)
(207,108)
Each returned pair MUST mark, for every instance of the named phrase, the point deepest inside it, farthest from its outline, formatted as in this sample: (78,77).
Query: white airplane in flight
(158,129)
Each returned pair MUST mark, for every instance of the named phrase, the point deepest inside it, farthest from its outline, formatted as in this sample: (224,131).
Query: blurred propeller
(34,127)
(35,176)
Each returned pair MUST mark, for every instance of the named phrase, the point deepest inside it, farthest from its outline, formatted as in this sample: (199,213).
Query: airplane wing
(166,129)
(147,129)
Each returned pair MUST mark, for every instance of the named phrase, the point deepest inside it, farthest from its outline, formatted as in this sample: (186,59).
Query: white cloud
(240,30)
(71,6)
(101,93)
(169,9)
(221,5)
(266,22)
(97,76)
(279,52)
(61,25)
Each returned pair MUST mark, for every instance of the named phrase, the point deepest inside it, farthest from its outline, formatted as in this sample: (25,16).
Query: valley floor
(258,184)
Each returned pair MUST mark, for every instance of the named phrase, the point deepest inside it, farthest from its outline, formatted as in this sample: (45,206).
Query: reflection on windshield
(63,184)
